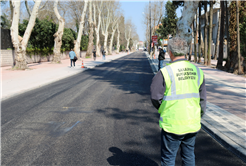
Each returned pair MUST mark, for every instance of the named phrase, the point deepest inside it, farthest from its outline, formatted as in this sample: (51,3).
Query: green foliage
(122,47)
(42,40)
(5,23)
(68,39)
(169,22)
(84,42)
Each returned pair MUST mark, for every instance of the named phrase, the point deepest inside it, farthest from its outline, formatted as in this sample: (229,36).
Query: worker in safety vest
(178,92)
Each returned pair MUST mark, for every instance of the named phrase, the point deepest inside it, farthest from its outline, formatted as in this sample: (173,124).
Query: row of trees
(43,27)
(153,13)
(228,14)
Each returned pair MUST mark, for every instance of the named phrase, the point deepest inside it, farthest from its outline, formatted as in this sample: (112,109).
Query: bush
(42,40)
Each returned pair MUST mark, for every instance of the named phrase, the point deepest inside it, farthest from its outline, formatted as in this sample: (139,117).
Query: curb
(223,140)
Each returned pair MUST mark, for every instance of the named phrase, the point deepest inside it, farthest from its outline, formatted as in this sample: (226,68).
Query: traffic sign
(154,39)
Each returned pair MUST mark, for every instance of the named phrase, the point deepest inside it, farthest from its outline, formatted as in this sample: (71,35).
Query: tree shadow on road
(129,158)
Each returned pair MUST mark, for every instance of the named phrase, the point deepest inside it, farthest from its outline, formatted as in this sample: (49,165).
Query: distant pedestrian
(94,54)
(161,58)
(73,57)
(178,91)
(103,53)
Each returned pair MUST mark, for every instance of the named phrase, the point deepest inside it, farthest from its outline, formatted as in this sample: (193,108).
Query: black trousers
(73,62)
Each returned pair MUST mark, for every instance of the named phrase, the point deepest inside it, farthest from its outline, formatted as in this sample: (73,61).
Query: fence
(5,39)
(8,56)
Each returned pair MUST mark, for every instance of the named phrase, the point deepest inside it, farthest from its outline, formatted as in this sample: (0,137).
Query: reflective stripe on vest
(174,96)
(180,109)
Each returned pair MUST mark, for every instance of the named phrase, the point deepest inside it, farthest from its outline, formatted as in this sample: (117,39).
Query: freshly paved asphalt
(102,116)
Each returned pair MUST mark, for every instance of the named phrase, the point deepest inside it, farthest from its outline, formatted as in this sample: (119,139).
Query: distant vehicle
(145,49)
(140,48)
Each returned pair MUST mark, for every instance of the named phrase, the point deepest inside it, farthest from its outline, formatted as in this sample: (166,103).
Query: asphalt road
(102,116)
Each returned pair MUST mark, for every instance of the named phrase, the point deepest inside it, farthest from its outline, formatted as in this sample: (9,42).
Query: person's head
(71,49)
(177,47)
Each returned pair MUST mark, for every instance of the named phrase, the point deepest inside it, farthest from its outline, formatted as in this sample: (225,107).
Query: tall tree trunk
(238,41)
(228,61)
(128,39)
(195,39)
(11,11)
(91,37)
(217,38)
(127,45)
(97,28)
(191,43)
(205,35)
(111,41)
(105,48)
(210,31)
(58,36)
(81,27)
(220,59)
(118,40)
(21,45)
(200,35)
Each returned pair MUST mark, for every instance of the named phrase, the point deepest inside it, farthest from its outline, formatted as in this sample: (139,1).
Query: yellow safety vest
(180,111)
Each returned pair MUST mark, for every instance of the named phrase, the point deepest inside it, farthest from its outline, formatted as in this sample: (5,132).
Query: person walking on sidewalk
(161,58)
(178,91)
(94,54)
(73,57)
(103,53)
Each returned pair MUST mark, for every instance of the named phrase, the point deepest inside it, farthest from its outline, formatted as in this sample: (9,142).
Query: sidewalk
(225,121)
(40,74)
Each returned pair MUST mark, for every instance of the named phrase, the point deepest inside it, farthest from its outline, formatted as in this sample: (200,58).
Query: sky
(134,10)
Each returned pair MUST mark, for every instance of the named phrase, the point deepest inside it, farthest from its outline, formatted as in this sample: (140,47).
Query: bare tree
(28,9)
(210,31)
(128,35)
(97,24)
(114,24)
(157,11)
(118,40)
(195,39)
(19,43)
(74,13)
(217,38)
(106,21)
(81,27)
(220,59)
(191,43)
(238,41)
(200,34)
(205,34)
(91,37)
(11,11)
(228,62)
(58,36)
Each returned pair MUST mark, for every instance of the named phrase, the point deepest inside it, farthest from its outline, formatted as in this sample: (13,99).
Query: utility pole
(150,27)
